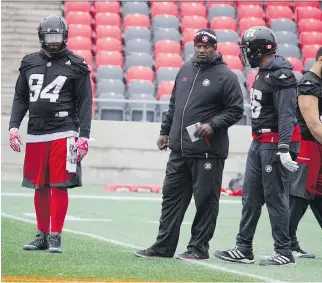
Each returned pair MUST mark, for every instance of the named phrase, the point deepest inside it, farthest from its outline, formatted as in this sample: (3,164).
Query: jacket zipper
(184,108)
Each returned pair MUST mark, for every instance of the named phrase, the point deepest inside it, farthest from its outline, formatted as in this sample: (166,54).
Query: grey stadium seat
(137,32)
(138,46)
(136,109)
(135,87)
(289,50)
(241,77)
(109,110)
(130,7)
(110,85)
(165,21)
(166,33)
(109,72)
(188,49)
(138,59)
(283,24)
(308,64)
(166,74)
(298,75)
(188,57)
(288,37)
(220,11)
(227,36)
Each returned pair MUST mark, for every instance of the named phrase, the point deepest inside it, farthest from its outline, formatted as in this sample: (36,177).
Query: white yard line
(119,198)
(119,243)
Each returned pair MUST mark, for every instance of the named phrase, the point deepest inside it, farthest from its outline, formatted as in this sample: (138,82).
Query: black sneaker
(299,253)
(235,255)
(278,259)
(189,255)
(54,241)
(148,253)
(40,242)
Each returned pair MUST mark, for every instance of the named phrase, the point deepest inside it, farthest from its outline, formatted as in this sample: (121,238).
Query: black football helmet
(53,34)
(256,43)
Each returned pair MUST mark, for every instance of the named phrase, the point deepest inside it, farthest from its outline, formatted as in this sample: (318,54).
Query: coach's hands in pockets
(203,130)
(81,148)
(163,142)
(287,161)
(15,139)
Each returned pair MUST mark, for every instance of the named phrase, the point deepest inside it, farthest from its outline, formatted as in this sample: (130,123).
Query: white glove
(15,139)
(287,161)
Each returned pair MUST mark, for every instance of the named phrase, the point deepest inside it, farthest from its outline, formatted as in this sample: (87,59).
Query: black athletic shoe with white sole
(235,255)
(299,253)
(40,242)
(148,253)
(54,241)
(278,259)
(189,255)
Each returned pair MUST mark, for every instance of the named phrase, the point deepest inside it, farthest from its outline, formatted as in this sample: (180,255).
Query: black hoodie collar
(57,56)
(215,60)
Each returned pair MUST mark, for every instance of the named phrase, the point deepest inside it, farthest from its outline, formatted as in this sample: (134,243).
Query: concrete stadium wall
(126,153)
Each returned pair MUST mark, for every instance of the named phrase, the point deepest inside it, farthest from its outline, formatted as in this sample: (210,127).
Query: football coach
(206,100)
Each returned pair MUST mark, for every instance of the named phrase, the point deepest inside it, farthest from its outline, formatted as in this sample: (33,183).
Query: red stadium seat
(247,23)
(228,48)
(136,20)
(233,62)
(107,7)
(165,88)
(297,64)
(278,12)
(230,3)
(108,44)
(223,23)
(107,19)
(277,3)
(245,2)
(109,58)
(247,11)
(188,35)
(79,43)
(167,46)
(306,25)
(251,78)
(79,18)
(164,8)
(79,30)
(307,13)
(192,9)
(309,51)
(86,54)
(139,73)
(193,22)
(77,7)
(108,31)
(297,4)
(309,38)
(168,60)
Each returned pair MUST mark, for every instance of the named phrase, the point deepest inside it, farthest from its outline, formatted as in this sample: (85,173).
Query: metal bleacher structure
(135,49)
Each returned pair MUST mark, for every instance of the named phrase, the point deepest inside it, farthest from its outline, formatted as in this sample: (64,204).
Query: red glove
(81,148)
(15,139)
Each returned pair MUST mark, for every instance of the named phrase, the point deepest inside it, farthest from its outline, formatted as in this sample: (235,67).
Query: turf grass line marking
(119,198)
(119,243)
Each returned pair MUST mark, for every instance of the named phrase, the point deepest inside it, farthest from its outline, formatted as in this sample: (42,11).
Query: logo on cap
(204,38)
(206,82)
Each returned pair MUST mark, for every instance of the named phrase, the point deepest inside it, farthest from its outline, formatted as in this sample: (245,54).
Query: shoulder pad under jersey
(283,78)
(78,63)
(29,61)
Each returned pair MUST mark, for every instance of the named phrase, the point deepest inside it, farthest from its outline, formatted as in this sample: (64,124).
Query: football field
(103,229)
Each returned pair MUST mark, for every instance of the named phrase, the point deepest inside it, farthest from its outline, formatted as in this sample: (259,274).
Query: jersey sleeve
(310,87)
(285,86)
(79,64)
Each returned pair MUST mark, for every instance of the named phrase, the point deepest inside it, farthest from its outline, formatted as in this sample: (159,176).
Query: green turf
(132,224)
(93,259)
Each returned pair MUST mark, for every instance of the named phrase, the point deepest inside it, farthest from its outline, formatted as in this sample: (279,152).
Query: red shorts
(311,155)
(45,166)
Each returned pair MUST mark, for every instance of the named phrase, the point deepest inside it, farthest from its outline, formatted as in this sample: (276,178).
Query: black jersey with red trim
(56,91)
(273,102)
(309,84)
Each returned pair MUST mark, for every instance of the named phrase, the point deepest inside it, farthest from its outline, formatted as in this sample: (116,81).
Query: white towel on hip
(71,155)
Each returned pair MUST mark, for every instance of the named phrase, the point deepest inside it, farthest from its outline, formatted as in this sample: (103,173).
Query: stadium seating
(135,49)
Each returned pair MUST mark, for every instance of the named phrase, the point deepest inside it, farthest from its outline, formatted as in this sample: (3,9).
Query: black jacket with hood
(206,93)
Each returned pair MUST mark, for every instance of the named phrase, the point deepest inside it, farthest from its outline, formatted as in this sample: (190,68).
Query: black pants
(186,177)
(266,181)
(298,207)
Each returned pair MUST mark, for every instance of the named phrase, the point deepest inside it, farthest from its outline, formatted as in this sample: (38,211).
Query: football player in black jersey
(276,139)
(307,186)
(54,85)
